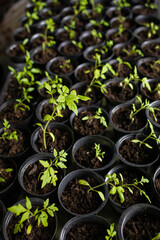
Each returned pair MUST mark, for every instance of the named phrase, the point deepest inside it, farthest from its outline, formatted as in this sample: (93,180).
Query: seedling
(157,89)
(152,29)
(157,47)
(111,232)
(71,29)
(156,65)
(150,5)
(118,186)
(38,5)
(104,49)
(65,99)
(133,51)
(31,17)
(77,44)
(121,19)
(96,34)
(23,44)
(99,153)
(22,102)
(152,135)
(99,23)
(7,170)
(7,135)
(66,63)
(120,31)
(121,62)
(48,40)
(55,83)
(157,237)
(121,4)
(127,80)
(50,174)
(28,214)
(97,116)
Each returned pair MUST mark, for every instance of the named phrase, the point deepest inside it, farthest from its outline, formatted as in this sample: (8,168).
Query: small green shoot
(99,153)
(7,170)
(157,237)
(98,116)
(111,232)
(6,135)
(133,51)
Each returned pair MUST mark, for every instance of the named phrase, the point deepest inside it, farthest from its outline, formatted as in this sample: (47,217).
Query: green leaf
(101,195)
(157,237)
(28,203)
(52,136)
(29,229)
(61,165)
(46,203)
(18,209)
(44,163)
(113,190)
(83,182)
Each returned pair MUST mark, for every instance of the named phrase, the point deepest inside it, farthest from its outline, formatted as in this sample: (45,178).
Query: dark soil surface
(147,69)
(141,227)
(116,38)
(90,40)
(120,53)
(64,36)
(60,67)
(151,49)
(144,11)
(7,176)
(71,50)
(123,70)
(12,147)
(37,231)
(95,95)
(135,198)
(135,154)
(83,76)
(86,156)
(153,94)
(117,93)
(122,120)
(62,140)
(76,198)
(87,128)
(13,116)
(87,231)
(20,36)
(44,57)
(48,109)
(32,182)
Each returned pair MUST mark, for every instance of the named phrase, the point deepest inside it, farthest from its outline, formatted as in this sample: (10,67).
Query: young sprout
(111,232)
(38,5)
(28,214)
(157,237)
(7,170)
(65,99)
(121,4)
(133,51)
(77,44)
(150,5)
(121,29)
(104,49)
(121,62)
(8,135)
(157,89)
(99,153)
(156,65)
(121,19)
(66,63)
(71,29)
(97,116)
(48,40)
(127,80)
(152,135)
(96,34)
(118,186)
(50,174)
(99,23)
(23,44)
(31,17)
(153,29)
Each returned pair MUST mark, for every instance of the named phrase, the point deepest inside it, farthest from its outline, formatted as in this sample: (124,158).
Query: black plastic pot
(66,11)
(145,60)
(126,12)
(111,102)
(44,14)
(156,125)
(25,122)
(2,207)
(66,21)
(133,211)
(20,34)
(91,50)
(118,132)
(79,220)
(113,31)
(87,35)
(81,66)
(141,137)
(119,169)
(89,141)
(157,194)
(39,110)
(39,50)
(9,215)
(139,30)
(50,71)
(141,20)
(149,94)
(77,56)
(80,174)
(124,56)
(35,38)
(33,160)
(93,108)
(61,126)
(138,10)
(146,48)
